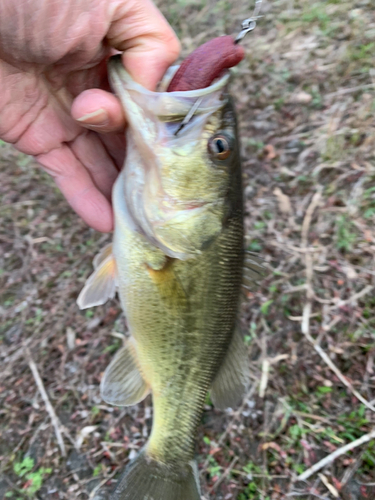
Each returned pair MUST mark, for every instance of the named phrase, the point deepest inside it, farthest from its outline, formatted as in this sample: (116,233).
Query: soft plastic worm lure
(208,62)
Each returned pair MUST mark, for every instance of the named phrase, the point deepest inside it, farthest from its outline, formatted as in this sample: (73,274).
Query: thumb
(150,45)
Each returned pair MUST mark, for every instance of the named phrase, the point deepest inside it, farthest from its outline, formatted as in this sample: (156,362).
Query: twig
(354,297)
(264,378)
(224,475)
(102,483)
(350,90)
(266,428)
(337,453)
(350,471)
(250,474)
(303,493)
(8,370)
(54,419)
(314,488)
(305,324)
(337,372)
(299,318)
(310,416)
(308,217)
(26,203)
(265,363)
(306,313)
(329,486)
(294,249)
(333,323)
(308,258)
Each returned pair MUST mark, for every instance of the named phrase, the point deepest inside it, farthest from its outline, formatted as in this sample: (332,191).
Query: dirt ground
(306,106)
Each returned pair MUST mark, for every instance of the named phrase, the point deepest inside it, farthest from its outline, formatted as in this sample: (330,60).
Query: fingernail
(98,117)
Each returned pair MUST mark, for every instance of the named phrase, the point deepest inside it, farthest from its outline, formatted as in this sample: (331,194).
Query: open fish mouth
(152,116)
(163,103)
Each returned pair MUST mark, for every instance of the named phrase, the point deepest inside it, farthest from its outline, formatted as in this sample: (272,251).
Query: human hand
(54,87)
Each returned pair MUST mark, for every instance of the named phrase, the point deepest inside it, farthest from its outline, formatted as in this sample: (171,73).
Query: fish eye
(219,147)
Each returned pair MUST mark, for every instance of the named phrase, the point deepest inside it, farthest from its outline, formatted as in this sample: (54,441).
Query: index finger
(149,43)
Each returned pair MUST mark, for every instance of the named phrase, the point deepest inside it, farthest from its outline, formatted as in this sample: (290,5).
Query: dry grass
(306,104)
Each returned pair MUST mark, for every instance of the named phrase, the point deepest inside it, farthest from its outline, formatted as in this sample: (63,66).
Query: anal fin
(122,383)
(233,377)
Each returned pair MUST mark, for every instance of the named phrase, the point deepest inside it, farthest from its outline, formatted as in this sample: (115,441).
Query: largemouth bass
(177,260)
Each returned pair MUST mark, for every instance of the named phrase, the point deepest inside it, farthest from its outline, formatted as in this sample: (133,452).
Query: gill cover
(174,194)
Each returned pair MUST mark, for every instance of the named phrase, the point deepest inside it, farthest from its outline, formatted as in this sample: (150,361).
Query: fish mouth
(117,73)
(166,106)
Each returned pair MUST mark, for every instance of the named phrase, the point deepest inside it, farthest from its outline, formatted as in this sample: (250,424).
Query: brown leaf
(285,206)
(300,98)
(270,152)
(368,235)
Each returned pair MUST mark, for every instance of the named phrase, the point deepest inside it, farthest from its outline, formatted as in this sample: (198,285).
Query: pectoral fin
(122,383)
(101,285)
(254,269)
(233,378)
(102,255)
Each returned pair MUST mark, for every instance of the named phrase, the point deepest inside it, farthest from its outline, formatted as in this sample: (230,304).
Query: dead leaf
(70,338)
(350,272)
(329,486)
(300,98)
(83,433)
(274,446)
(368,235)
(270,152)
(285,206)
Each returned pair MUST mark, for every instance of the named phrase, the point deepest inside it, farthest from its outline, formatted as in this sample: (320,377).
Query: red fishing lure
(206,63)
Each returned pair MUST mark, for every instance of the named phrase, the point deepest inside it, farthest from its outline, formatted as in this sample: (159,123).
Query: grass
(320,48)
(345,234)
(34,479)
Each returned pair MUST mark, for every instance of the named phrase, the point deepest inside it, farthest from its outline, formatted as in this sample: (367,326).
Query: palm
(49,55)
(36,118)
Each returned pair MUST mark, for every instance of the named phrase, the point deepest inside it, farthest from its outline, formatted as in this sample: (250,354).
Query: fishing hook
(189,116)
(250,23)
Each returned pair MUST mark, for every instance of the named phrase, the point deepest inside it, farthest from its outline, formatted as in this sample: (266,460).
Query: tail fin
(146,479)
